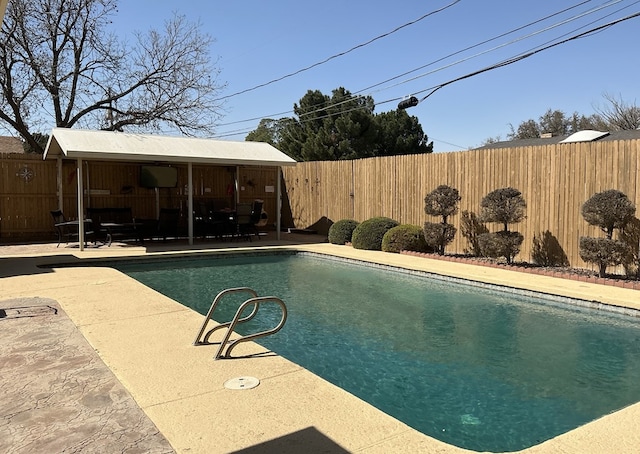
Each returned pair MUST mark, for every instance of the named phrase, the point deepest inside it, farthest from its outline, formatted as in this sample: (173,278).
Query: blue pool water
(477,368)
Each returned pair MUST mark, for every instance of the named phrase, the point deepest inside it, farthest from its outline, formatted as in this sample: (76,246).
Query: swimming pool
(478,368)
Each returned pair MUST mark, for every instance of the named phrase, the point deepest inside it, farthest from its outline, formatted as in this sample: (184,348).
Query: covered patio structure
(87,145)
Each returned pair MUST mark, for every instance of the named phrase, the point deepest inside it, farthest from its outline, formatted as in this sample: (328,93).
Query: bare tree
(619,115)
(59,64)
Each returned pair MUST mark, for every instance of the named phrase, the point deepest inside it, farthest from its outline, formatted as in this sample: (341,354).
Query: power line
(520,57)
(538,32)
(384,35)
(450,55)
(506,62)
(502,35)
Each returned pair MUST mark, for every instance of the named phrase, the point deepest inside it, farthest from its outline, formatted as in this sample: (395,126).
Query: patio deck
(139,343)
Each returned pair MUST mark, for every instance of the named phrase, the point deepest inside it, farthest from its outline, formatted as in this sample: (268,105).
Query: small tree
(443,202)
(609,210)
(504,206)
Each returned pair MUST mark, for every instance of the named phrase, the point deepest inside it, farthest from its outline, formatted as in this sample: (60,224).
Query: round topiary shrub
(602,251)
(438,235)
(501,244)
(368,234)
(340,232)
(405,237)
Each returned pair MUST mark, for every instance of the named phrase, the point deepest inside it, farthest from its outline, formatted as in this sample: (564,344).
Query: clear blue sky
(258,41)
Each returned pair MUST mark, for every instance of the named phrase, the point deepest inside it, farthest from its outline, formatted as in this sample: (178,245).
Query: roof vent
(587,135)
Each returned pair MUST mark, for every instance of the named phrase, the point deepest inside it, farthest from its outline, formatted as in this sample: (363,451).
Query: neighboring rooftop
(10,144)
(601,137)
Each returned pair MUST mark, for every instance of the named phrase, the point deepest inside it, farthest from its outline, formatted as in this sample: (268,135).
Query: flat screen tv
(158,177)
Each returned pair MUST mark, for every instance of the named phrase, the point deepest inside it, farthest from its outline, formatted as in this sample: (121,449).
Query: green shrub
(368,234)
(500,244)
(341,231)
(405,237)
(438,235)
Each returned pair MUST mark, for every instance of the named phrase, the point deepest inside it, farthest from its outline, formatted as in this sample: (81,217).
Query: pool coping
(337,419)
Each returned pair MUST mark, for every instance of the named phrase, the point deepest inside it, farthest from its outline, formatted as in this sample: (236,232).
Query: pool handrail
(236,319)
(214,304)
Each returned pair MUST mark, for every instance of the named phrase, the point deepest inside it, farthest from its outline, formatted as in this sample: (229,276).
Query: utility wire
(443,58)
(512,60)
(339,54)
(476,45)
(522,38)
(509,61)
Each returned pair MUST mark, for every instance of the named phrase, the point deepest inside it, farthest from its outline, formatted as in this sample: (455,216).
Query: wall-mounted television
(158,176)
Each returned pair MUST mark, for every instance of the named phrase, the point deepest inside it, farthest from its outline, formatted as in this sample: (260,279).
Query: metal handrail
(214,304)
(236,319)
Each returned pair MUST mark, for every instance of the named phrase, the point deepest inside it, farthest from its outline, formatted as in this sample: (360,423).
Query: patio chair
(68,230)
(168,222)
(244,220)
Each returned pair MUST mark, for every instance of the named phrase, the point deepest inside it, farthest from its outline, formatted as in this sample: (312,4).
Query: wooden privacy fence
(555,181)
(28,191)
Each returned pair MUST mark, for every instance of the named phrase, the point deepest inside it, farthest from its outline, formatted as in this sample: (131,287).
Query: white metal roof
(587,135)
(119,146)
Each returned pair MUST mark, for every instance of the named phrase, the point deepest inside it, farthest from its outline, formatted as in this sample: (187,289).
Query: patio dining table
(128,228)
(74,227)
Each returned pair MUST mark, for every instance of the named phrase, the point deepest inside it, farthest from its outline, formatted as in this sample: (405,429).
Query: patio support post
(80,206)
(236,182)
(190,201)
(59,183)
(278,202)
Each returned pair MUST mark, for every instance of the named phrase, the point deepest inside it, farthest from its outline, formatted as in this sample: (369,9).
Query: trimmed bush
(441,202)
(501,244)
(504,206)
(608,210)
(603,252)
(438,235)
(405,237)
(341,231)
(368,234)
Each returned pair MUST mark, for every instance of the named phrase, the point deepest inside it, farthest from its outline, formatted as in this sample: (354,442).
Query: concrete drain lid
(242,383)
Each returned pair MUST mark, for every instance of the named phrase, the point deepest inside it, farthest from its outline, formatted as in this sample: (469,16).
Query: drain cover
(242,383)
